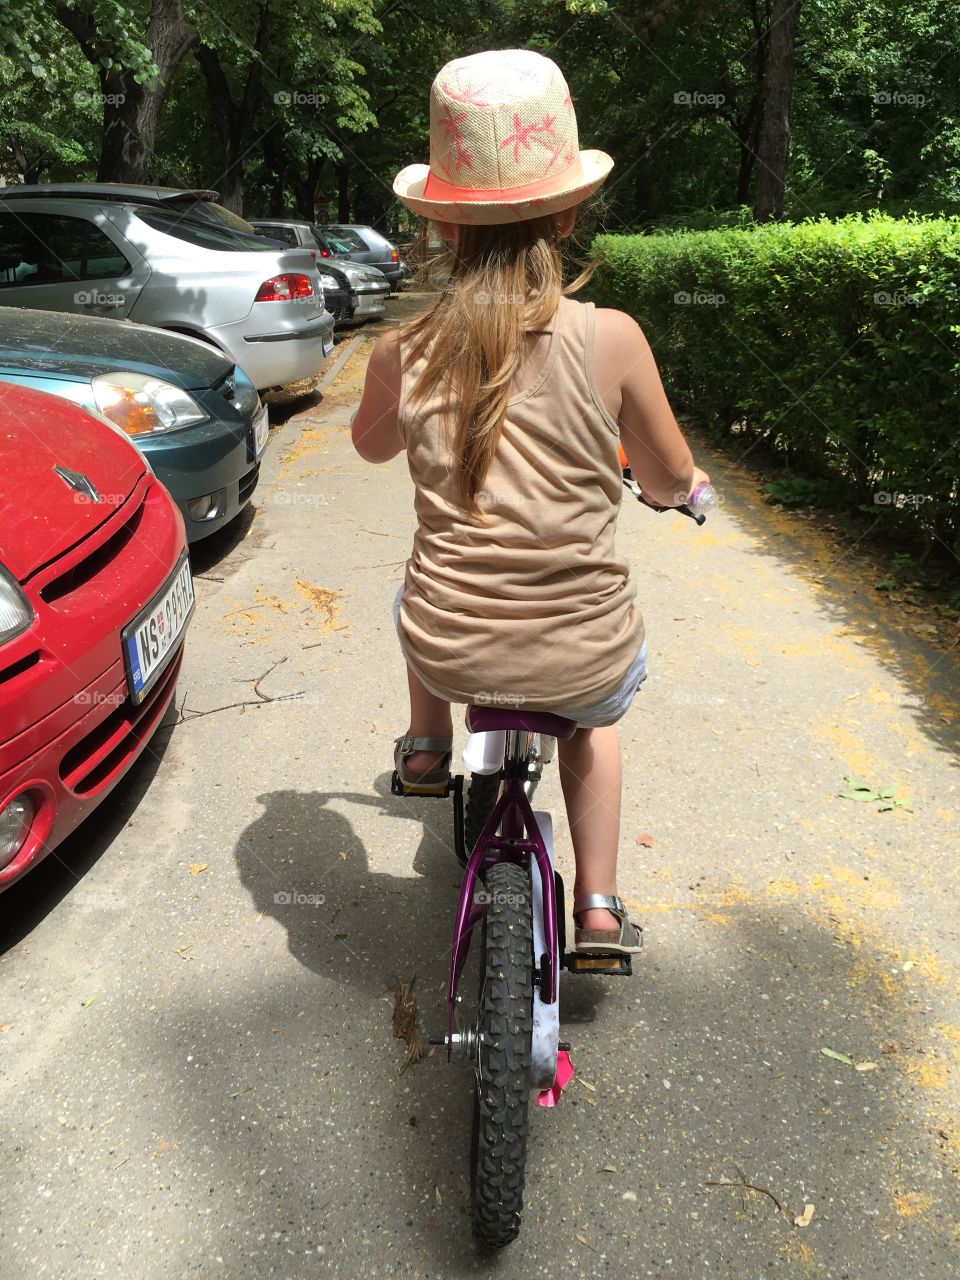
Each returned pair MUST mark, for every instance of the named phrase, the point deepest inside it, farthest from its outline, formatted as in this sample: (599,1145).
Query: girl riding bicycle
(510,399)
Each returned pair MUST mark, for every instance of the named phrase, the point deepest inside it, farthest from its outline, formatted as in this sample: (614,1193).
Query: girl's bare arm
(374,427)
(629,383)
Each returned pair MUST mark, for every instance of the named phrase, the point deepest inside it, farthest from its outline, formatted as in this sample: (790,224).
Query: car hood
(73,346)
(42,514)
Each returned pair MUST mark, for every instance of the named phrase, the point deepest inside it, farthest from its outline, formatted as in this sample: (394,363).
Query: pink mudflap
(550,1097)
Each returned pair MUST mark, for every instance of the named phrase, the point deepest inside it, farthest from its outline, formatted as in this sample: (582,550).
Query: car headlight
(368,277)
(328,281)
(16,613)
(141,405)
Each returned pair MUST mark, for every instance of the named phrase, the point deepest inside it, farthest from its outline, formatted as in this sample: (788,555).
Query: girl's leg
(590,779)
(429,718)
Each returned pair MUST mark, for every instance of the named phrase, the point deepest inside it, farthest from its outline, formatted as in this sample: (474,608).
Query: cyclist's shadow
(304,865)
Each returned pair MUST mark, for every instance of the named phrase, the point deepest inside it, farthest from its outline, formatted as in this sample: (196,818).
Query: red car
(95,597)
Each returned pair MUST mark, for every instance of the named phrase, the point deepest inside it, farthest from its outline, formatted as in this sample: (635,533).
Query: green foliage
(832,345)
(797,491)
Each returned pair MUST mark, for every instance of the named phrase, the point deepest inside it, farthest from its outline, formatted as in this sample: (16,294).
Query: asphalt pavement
(199,1075)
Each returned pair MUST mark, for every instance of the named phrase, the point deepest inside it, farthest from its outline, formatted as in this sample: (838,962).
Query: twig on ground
(743,1183)
(261,699)
(405,1020)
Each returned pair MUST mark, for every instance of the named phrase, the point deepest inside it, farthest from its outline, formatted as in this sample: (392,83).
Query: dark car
(194,415)
(363,244)
(353,292)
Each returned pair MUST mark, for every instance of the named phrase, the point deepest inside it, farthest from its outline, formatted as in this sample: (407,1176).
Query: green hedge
(835,344)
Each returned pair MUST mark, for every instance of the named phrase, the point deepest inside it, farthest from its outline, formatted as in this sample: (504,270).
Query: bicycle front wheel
(504,1026)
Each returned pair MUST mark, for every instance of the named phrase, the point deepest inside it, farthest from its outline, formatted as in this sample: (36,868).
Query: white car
(170,258)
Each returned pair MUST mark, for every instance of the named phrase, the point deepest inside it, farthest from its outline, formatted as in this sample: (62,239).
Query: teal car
(192,412)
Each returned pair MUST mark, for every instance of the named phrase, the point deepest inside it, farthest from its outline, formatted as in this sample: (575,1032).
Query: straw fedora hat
(503,143)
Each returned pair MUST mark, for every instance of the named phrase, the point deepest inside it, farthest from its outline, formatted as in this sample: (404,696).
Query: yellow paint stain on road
(664,908)
(257,615)
(912,1204)
(928,1074)
(795,1250)
(951,1034)
(324,601)
(314,440)
(835,643)
(852,756)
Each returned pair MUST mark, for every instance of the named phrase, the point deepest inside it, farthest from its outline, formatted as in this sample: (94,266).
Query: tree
(774,144)
(134,75)
(288,122)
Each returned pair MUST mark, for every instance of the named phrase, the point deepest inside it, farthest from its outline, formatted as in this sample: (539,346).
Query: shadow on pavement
(708,1065)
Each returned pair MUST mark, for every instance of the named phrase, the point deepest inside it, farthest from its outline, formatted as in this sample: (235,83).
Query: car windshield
(285,235)
(208,231)
(343,240)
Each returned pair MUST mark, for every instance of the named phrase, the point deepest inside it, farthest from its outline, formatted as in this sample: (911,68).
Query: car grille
(93,762)
(85,570)
(248,483)
(17,668)
(338,305)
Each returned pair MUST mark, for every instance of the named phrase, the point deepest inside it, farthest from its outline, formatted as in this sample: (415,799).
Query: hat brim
(408,186)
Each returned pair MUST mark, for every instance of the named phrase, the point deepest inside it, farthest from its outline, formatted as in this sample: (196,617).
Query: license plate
(327,346)
(261,431)
(150,640)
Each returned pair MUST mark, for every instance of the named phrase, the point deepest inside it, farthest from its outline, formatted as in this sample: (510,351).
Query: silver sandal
(435,781)
(627,940)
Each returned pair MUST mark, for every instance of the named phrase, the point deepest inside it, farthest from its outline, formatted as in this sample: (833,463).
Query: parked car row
(138,326)
(353,292)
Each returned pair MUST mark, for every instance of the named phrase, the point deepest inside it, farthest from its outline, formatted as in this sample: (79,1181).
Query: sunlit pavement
(199,1075)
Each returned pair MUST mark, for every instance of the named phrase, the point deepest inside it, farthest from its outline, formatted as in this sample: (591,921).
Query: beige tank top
(530,606)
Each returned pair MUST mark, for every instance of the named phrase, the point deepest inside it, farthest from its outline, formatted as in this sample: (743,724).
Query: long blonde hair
(502,281)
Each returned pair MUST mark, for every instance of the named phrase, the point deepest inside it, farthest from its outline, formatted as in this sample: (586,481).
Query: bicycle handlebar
(684,508)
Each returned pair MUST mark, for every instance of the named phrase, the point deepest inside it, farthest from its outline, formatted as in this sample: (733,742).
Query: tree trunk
(343,193)
(747,134)
(233,120)
(278,186)
(774,144)
(643,185)
(31,171)
(305,186)
(131,110)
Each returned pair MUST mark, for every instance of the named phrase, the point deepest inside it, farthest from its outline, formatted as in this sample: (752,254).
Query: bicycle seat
(481,719)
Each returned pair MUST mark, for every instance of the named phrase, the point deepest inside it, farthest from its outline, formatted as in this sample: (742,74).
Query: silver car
(175,259)
(369,287)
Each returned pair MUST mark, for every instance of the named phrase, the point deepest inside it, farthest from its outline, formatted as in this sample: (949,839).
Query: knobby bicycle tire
(481,797)
(504,1022)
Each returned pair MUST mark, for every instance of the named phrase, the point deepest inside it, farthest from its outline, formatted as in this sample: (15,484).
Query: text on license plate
(150,640)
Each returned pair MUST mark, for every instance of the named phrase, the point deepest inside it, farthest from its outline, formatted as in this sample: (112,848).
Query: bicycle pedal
(607,964)
(397,788)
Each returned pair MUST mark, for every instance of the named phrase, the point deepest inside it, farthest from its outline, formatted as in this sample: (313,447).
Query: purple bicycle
(512,900)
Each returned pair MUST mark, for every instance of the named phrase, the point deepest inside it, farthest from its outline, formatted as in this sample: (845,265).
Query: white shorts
(606,712)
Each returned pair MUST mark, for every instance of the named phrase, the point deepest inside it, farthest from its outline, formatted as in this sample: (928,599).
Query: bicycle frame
(511,834)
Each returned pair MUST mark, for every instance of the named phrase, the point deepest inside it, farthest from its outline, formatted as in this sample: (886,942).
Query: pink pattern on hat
(461,157)
(521,134)
(467,94)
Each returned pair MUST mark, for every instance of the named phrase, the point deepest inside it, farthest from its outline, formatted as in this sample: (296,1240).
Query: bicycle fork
(515,833)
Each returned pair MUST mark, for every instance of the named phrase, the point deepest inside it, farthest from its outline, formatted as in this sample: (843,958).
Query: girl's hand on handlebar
(699,477)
